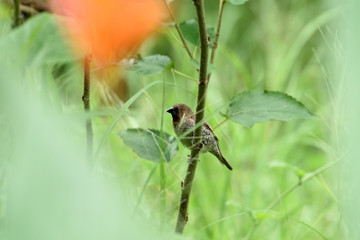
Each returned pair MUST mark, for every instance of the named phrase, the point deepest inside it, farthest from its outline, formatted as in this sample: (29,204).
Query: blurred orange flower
(109,29)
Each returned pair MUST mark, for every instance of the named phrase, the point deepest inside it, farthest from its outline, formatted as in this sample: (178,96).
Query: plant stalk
(16,13)
(200,109)
(86,101)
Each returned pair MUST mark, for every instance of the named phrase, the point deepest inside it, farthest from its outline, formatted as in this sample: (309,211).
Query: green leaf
(36,42)
(152,65)
(250,107)
(237,2)
(148,144)
(190,30)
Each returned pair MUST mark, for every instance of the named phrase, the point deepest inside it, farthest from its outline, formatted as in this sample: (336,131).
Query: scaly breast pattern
(208,139)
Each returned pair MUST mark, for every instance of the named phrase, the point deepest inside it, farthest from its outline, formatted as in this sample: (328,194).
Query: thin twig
(86,101)
(28,10)
(183,75)
(16,13)
(178,28)
(216,39)
(190,173)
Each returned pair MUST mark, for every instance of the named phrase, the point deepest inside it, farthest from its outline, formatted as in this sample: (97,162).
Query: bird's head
(179,111)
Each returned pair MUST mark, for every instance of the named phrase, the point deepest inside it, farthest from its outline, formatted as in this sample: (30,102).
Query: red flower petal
(108,29)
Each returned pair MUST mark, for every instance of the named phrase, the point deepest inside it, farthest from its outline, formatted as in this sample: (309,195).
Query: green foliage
(190,30)
(37,42)
(42,147)
(150,144)
(152,65)
(120,114)
(251,107)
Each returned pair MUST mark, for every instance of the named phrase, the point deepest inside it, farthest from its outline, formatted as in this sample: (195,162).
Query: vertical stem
(200,108)
(16,13)
(86,101)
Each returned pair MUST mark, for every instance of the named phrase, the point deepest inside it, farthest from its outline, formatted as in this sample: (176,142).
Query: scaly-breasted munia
(184,120)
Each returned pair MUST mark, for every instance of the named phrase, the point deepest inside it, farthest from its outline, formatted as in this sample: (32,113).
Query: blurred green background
(47,190)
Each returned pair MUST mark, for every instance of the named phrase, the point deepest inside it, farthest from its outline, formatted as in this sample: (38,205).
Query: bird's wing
(207,126)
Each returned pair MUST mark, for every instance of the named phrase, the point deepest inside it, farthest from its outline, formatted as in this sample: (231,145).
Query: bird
(184,120)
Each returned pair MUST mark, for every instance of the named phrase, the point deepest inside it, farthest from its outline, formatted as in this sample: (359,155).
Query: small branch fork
(86,101)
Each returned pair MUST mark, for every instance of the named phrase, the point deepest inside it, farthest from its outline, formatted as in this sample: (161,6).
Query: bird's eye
(176,110)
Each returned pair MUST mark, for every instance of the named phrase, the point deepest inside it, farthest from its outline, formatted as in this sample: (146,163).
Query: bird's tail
(222,159)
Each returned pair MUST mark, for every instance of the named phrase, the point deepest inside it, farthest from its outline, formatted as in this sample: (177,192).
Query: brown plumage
(183,120)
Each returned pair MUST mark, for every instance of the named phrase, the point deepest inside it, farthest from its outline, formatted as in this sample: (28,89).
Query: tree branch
(86,101)
(200,109)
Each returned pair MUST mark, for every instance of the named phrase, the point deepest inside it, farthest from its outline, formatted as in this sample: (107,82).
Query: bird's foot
(190,162)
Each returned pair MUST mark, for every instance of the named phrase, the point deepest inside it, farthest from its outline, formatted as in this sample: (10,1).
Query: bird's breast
(181,128)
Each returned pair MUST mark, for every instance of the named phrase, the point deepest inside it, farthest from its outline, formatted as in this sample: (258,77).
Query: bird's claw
(189,160)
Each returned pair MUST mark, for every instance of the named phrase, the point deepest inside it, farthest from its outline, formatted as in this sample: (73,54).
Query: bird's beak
(170,110)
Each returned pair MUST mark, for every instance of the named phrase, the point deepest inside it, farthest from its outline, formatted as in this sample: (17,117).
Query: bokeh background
(48,191)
